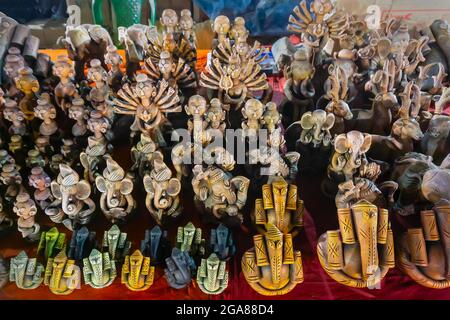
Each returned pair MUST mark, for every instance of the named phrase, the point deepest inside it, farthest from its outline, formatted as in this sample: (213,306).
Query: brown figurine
(47,113)
(79,113)
(361,253)
(26,210)
(272,267)
(28,84)
(40,181)
(115,187)
(65,89)
(114,60)
(99,77)
(422,253)
(15,115)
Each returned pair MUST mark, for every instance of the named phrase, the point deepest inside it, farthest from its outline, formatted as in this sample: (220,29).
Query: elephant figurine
(26,272)
(162,200)
(51,243)
(62,275)
(99,270)
(85,43)
(180,269)
(436,141)
(272,267)
(221,194)
(189,239)
(155,245)
(361,252)
(115,187)
(81,244)
(222,242)
(352,191)
(348,157)
(72,205)
(420,183)
(423,253)
(280,205)
(137,272)
(115,242)
(212,276)
(312,139)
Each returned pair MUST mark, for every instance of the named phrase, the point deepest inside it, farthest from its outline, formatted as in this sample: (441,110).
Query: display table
(319,217)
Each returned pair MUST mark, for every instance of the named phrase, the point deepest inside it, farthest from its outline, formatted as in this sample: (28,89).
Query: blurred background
(266,19)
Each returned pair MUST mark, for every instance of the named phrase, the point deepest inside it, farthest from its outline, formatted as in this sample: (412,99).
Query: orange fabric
(201,56)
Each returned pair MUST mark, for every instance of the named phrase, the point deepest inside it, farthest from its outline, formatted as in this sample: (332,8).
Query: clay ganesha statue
(423,253)
(272,267)
(162,198)
(72,205)
(223,195)
(116,200)
(361,253)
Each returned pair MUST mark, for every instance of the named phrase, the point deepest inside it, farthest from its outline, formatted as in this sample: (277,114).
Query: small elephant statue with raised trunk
(115,187)
(222,242)
(189,239)
(272,267)
(116,243)
(156,245)
(212,276)
(26,272)
(280,205)
(72,205)
(81,244)
(99,270)
(315,128)
(180,269)
(62,275)
(162,200)
(221,194)
(361,252)
(26,210)
(423,253)
(137,272)
(51,243)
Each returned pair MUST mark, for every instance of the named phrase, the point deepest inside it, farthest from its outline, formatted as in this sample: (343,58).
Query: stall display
(202,180)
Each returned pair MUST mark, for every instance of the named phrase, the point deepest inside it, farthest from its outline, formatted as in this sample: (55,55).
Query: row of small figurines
(65,263)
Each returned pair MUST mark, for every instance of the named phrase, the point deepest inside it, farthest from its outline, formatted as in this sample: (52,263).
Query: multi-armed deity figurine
(72,206)
(272,267)
(361,252)
(162,200)
(137,273)
(26,272)
(148,103)
(212,276)
(25,208)
(99,270)
(62,275)
(115,187)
